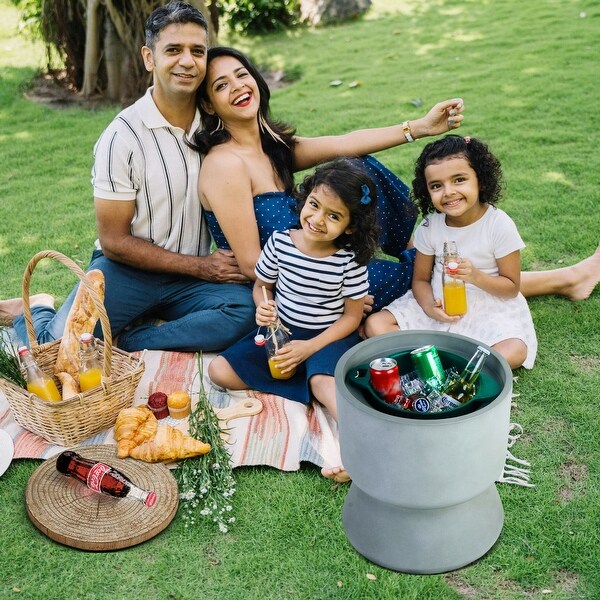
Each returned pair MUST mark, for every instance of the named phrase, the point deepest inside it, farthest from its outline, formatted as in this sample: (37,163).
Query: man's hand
(220,267)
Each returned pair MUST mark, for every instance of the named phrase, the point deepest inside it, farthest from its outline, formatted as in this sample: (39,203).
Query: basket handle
(104,322)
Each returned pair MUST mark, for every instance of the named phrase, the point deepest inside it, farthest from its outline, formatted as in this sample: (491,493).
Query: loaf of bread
(69,384)
(82,318)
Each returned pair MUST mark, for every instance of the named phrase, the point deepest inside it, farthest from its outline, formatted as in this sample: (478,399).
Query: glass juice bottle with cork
(38,382)
(276,338)
(90,372)
(454,290)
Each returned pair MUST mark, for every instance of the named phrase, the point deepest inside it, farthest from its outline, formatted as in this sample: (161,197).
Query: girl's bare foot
(338,474)
(586,276)
(9,309)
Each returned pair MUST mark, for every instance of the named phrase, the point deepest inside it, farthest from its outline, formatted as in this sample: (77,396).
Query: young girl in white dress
(457,183)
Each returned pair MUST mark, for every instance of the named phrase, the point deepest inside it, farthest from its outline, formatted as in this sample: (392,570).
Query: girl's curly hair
(485,164)
(348,179)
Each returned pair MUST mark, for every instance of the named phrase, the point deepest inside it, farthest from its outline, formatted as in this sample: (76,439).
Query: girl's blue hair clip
(366,197)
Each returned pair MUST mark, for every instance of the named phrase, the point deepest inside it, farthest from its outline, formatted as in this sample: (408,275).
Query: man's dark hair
(173,12)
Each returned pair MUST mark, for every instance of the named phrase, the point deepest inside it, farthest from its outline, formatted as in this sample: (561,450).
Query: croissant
(133,426)
(70,387)
(167,445)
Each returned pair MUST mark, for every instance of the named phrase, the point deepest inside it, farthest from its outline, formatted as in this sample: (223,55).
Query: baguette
(69,384)
(82,318)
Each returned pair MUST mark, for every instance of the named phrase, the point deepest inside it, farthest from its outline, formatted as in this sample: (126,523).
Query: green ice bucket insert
(488,386)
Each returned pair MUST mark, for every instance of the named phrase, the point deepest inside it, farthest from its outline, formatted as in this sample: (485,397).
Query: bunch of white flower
(206,482)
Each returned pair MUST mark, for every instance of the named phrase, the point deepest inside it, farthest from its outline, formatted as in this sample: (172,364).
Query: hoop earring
(219,126)
(264,127)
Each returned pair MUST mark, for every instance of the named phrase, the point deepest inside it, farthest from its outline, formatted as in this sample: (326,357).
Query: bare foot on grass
(586,276)
(9,309)
(338,474)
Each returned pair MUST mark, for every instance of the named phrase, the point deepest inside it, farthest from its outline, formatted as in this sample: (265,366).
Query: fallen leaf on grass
(371,577)
(339,584)
(354,84)
(335,82)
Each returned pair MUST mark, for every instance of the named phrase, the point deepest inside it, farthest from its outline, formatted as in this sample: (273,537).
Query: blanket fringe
(514,471)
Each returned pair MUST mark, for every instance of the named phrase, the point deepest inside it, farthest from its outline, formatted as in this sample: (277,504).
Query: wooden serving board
(69,513)
(244,408)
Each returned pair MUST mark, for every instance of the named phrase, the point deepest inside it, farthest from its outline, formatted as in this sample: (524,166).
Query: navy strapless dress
(397,214)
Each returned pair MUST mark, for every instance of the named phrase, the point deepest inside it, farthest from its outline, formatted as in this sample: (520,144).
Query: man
(153,244)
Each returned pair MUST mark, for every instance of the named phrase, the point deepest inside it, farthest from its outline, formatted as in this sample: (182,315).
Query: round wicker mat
(71,514)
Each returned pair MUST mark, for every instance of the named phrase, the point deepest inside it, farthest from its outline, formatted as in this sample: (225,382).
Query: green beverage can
(428,365)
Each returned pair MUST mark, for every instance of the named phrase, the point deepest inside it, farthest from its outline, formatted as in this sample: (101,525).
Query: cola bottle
(100,477)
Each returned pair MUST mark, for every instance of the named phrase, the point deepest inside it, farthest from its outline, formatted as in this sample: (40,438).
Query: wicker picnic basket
(75,419)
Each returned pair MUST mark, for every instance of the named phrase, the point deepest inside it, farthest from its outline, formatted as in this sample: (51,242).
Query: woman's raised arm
(443,117)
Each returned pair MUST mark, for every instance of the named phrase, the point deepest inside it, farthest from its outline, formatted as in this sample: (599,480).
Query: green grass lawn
(528,73)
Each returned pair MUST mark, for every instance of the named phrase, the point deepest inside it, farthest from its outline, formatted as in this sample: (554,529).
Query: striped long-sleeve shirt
(310,291)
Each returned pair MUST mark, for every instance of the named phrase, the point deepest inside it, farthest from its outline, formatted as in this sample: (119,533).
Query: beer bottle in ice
(463,389)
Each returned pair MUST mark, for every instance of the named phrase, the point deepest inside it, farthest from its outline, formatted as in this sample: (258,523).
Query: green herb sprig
(206,483)
(10,366)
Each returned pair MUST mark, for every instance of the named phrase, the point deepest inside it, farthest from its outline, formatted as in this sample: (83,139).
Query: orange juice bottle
(38,382)
(276,339)
(454,290)
(90,372)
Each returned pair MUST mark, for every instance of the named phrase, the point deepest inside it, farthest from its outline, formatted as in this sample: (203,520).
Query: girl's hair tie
(366,196)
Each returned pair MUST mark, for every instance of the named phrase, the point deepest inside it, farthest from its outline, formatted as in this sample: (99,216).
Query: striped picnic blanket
(283,435)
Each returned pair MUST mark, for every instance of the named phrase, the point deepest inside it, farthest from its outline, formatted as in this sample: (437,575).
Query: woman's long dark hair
(213,134)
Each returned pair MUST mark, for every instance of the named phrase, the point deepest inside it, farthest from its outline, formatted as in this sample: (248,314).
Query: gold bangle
(407,132)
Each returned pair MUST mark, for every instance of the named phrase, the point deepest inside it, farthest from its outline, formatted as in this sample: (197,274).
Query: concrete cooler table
(422,497)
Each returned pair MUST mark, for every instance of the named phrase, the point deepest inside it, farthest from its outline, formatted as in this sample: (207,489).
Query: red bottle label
(95,476)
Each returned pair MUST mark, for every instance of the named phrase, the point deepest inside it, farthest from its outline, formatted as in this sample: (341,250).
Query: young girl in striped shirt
(318,278)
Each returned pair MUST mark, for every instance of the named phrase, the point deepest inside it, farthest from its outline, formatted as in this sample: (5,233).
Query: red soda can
(385,379)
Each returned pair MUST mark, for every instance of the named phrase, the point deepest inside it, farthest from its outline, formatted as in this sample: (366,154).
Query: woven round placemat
(71,514)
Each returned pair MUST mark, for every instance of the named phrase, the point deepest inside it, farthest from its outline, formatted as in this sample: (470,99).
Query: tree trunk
(113,56)
(92,49)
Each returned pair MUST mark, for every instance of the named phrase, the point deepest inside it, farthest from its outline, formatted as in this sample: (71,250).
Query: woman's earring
(264,127)
(219,125)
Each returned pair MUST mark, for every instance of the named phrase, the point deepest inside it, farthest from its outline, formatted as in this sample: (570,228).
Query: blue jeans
(199,315)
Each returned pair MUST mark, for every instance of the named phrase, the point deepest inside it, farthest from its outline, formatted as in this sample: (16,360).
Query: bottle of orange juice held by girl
(454,290)
(90,372)
(276,338)
(38,382)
